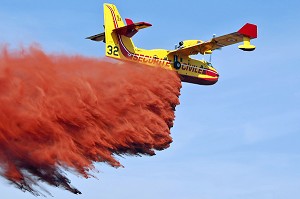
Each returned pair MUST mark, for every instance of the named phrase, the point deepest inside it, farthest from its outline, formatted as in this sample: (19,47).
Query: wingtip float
(119,45)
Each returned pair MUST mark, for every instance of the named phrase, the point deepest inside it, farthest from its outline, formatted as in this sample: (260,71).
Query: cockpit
(208,63)
(187,43)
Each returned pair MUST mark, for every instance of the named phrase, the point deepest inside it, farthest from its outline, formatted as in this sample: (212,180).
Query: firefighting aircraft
(119,45)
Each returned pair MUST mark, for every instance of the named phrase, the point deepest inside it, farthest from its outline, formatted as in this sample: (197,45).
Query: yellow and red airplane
(119,45)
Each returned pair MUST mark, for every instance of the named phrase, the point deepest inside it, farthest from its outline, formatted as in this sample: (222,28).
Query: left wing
(246,33)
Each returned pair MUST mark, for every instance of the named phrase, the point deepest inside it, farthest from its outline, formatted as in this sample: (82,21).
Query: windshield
(209,64)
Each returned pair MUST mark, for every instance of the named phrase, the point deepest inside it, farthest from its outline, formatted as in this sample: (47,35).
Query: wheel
(177,65)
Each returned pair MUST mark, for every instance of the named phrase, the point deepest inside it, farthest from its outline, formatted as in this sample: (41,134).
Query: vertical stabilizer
(117,46)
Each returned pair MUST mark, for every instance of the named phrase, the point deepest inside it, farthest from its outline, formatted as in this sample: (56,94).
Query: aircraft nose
(212,73)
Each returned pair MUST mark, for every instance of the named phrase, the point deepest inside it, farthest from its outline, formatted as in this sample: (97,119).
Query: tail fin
(117,46)
(117,35)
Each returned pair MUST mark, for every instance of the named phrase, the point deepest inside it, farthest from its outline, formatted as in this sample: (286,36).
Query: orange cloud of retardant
(67,112)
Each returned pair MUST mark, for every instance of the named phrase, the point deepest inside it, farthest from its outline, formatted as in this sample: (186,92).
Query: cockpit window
(209,64)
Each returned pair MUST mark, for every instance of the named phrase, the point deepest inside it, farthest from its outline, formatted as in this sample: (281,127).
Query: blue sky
(236,139)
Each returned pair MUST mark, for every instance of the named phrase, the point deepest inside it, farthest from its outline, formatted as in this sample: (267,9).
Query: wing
(247,32)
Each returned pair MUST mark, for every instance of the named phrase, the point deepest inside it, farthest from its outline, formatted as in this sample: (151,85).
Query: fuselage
(191,70)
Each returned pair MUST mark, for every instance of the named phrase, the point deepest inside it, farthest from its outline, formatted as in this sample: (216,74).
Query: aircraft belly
(197,80)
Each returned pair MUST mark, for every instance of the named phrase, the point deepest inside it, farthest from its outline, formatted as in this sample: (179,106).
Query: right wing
(248,30)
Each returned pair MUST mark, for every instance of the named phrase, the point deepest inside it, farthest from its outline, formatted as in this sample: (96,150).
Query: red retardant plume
(60,112)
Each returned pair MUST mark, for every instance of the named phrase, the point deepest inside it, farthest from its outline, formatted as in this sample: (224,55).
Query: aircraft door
(177,64)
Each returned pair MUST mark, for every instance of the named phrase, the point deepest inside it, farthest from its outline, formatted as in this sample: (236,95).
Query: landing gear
(177,64)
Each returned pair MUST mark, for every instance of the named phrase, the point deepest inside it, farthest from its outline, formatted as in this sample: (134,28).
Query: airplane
(119,45)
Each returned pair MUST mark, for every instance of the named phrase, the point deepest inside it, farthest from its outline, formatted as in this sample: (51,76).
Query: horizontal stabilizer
(131,28)
(98,37)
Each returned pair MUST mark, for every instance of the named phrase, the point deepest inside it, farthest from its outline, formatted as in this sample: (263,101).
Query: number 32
(113,50)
